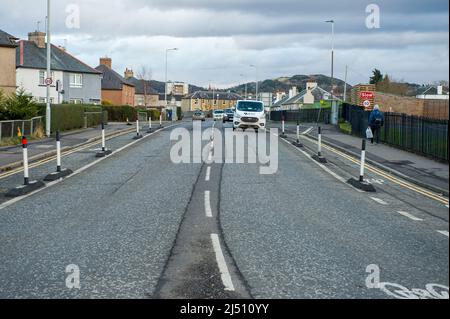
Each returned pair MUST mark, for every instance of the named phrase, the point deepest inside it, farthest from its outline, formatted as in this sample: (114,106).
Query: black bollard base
(136,137)
(297,144)
(282,135)
(24,189)
(103,153)
(149,130)
(57,175)
(361,185)
(319,159)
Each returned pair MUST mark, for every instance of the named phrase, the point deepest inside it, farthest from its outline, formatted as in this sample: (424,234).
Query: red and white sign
(366,95)
(48,81)
(366,103)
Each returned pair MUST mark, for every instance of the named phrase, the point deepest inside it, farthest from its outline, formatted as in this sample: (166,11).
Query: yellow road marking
(63,153)
(395,180)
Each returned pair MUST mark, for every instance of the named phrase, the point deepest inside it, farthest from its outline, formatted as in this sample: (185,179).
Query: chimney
(290,93)
(38,38)
(311,86)
(128,73)
(439,90)
(294,91)
(106,62)
(62,48)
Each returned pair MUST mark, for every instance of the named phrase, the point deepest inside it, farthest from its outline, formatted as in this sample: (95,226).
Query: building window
(43,100)
(76,101)
(42,74)
(76,80)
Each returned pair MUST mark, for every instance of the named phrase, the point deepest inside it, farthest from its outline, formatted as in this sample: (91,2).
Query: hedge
(123,113)
(74,116)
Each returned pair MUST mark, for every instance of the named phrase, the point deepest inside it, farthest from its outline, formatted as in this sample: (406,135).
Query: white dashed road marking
(208,211)
(208,173)
(224,273)
(379,201)
(443,232)
(410,216)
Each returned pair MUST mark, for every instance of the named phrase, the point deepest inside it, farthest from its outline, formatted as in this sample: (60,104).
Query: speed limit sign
(366,103)
(48,81)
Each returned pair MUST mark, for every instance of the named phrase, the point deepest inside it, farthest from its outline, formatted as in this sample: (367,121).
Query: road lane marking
(208,173)
(410,216)
(80,170)
(307,131)
(443,232)
(379,201)
(387,176)
(64,153)
(224,273)
(326,169)
(208,211)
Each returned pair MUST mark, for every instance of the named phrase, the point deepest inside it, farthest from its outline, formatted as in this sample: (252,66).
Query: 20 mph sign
(48,81)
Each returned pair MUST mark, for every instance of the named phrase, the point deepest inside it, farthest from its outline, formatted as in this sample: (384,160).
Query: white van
(249,114)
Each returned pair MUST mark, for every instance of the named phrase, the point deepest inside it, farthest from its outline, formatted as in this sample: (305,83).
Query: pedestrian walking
(376,121)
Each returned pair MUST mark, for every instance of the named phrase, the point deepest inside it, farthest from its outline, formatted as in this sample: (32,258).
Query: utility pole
(48,108)
(256,81)
(165,79)
(332,56)
(345,84)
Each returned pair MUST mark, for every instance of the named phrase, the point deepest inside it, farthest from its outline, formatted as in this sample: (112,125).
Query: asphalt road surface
(137,225)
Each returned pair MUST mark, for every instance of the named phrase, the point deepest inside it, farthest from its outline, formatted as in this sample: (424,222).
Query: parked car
(228,116)
(249,114)
(218,115)
(199,116)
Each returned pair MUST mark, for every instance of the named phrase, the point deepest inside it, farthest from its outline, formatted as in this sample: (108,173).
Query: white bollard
(363,160)
(25,161)
(319,143)
(58,152)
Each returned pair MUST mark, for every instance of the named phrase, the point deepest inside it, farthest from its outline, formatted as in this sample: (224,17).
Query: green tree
(377,77)
(19,106)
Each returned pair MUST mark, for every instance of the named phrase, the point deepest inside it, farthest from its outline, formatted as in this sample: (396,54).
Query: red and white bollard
(28,186)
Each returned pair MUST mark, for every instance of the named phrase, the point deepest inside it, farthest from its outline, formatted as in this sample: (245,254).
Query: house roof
(112,80)
(139,84)
(317,92)
(280,102)
(208,95)
(7,40)
(36,58)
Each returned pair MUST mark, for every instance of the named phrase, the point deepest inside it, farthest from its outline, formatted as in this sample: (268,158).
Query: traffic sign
(48,81)
(366,103)
(367,95)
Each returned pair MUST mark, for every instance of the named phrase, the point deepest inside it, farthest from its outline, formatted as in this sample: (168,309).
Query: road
(137,225)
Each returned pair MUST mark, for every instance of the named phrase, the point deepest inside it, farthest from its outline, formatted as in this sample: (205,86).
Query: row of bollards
(359,183)
(30,186)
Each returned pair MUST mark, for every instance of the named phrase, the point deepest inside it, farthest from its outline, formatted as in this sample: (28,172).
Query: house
(208,100)
(116,90)
(7,63)
(177,88)
(145,95)
(78,82)
(312,96)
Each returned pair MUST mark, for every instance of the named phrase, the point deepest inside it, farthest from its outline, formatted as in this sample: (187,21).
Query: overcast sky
(219,40)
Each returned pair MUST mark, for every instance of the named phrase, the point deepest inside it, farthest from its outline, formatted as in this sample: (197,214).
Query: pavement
(419,169)
(138,225)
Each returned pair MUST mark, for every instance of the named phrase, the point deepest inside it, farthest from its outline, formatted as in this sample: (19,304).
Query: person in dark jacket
(376,121)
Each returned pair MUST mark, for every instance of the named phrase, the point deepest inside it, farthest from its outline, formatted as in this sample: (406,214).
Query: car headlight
(237,116)
(263,117)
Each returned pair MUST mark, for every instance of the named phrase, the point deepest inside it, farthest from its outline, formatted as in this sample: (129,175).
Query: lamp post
(48,108)
(165,79)
(332,56)
(243,76)
(256,80)
(334,107)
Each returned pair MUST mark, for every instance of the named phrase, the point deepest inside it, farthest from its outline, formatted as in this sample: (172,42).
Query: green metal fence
(417,134)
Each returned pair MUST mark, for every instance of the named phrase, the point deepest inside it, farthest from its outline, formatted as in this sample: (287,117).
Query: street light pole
(48,108)
(165,78)
(243,76)
(332,56)
(256,80)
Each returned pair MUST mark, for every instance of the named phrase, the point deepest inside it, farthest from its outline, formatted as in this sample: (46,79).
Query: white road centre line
(379,201)
(208,174)
(224,273)
(443,232)
(208,211)
(410,216)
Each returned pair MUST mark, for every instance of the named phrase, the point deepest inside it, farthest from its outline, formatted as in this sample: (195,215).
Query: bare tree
(145,75)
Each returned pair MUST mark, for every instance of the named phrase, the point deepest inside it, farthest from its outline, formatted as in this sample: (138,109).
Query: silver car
(199,116)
